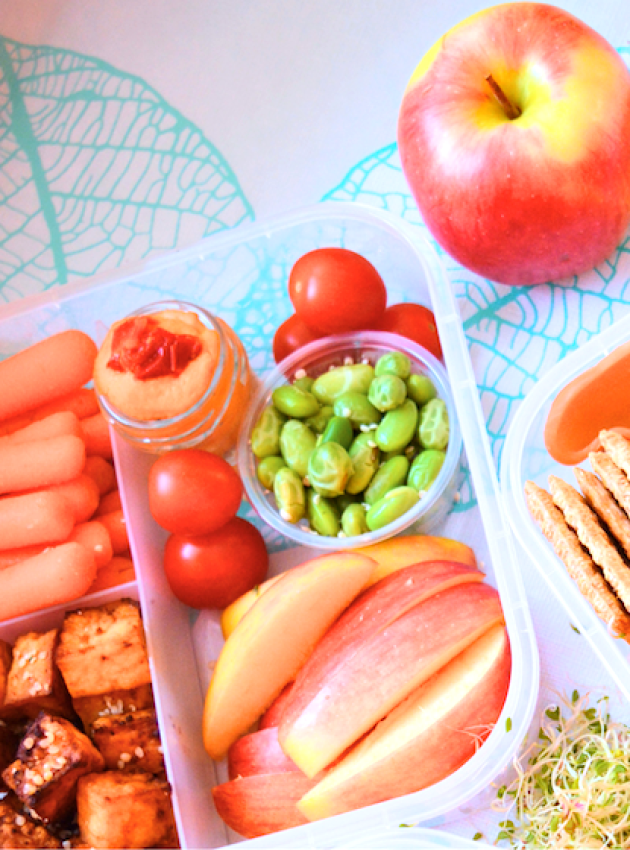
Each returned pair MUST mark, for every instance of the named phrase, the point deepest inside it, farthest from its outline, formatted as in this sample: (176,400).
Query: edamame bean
(420,388)
(356,377)
(433,429)
(290,495)
(329,469)
(322,514)
(353,520)
(425,469)
(295,402)
(391,474)
(318,422)
(267,469)
(393,363)
(297,442)
(266,432)
(397,427)
(338,430)
(356,407)
(387,392)
(304,382)
(393,505)
(364,454)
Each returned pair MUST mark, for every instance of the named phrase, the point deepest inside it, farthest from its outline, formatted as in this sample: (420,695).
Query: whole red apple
(514,135)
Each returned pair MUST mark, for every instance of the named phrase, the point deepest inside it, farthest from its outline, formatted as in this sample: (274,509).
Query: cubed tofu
(18,830)
(6,657)
(130,741)
(34,683)
(119,809)
(103,658)
(51,758)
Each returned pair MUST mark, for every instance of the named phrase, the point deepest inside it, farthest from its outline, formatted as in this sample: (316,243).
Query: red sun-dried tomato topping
(141,346)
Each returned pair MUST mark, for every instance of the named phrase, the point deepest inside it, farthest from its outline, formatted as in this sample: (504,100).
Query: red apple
(258,752)
(271,717)
(424,739)
(514,135)
(375,677)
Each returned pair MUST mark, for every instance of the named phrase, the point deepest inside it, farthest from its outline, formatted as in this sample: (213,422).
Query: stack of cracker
(590,531)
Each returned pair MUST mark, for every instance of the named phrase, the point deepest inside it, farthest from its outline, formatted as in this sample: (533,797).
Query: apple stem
(508,107)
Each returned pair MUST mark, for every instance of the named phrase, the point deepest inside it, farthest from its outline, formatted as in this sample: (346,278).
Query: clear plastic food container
(524,458)
(242,277)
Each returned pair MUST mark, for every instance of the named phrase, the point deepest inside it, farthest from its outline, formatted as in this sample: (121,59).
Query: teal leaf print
(97,170)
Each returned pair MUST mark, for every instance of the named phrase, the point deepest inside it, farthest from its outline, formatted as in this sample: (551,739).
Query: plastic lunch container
(526,458)
(315,359)
(241,277)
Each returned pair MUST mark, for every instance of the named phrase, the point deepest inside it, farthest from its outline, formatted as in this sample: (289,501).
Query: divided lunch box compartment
(524,458)
(242,277)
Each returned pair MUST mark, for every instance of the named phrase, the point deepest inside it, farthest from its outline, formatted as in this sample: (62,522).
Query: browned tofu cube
(102,656)
(34,683)
(19,830)
(118,809)
(51,758)
(130,741)
(6,657)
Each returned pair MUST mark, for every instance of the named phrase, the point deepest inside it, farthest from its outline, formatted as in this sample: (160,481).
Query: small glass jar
(213,421)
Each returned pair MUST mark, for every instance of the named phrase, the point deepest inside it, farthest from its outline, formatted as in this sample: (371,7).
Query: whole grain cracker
(613,477)
(590,533)
(578,562)
(602,503)
(618,448)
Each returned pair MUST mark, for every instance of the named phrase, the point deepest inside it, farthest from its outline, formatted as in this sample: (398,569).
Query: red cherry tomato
(213,570)
(291,335)
(193,492)
(415,322)
(335,290)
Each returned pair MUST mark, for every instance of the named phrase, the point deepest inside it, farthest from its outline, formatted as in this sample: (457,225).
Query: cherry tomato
(335,290)
(291,335)
(213,570)
(415,322)
(193,492)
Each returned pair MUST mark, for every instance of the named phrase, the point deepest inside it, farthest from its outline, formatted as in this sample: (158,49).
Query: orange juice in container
(170,375)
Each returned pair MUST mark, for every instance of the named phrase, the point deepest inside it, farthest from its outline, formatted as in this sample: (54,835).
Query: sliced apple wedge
(426,738)
(408,549)
(273,640)
(271,717)
(258,752)
(234,613)
(383,671)
(261,804)
(370,613)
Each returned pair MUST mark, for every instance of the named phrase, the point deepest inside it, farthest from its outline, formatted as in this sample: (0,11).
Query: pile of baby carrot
(62,529)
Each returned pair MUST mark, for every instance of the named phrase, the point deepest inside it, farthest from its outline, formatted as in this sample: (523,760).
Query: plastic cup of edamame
(323,507)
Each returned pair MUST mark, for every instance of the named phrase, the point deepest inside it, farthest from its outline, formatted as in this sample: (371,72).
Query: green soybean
(425,469)
(338,430)
(433,429)
(420,388)
(356,407)
(393,505)
(266,432)
(392,473)
(295,402)
(353,520)
(329,469)
(356,377)
(318,422)
(322,514)
(297,443)
(387,392)
(365,455)
(304,382)
(393,363)
(397,427)
(290,495)
(267,469)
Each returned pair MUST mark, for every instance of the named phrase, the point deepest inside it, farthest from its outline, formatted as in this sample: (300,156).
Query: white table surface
(301,98)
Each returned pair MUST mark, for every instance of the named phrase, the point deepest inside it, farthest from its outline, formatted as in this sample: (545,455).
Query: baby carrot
(114,522)
(82,402)
(39,463)
(82,494)
(96,435)
(55,425)
(118,571)
(45,371)
(57,575)
(102,472)
(33,518)
(110,502)
(95,537)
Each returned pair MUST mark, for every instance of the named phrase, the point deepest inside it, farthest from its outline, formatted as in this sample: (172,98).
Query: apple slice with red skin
(408,549)
(371,612)
(383,671)
(263,803)
(271,717)
(259,752)
(425,738)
